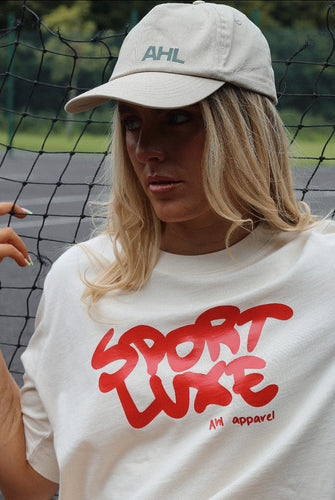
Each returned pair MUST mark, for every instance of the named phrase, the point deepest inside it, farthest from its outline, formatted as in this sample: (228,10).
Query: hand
(11,244)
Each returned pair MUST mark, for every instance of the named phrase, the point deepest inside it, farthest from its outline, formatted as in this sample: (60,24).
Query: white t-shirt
(215,381)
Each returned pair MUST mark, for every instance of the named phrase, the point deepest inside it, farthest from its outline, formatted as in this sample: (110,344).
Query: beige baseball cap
(179,54)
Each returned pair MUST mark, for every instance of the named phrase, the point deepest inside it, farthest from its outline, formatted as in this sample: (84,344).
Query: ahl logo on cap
(155,53)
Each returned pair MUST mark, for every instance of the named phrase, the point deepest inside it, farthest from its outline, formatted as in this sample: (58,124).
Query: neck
(189,239)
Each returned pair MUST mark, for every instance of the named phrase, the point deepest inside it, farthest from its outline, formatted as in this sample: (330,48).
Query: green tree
(116,15)
(266,13)
(72,19)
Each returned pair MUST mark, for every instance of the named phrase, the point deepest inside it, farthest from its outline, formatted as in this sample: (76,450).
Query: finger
(7,207)
(12,246)
(7,250)
(20,212)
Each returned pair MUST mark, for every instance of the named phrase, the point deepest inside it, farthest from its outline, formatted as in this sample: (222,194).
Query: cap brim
(151,89)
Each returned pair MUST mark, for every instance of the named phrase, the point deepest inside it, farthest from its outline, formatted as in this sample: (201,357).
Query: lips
(162,184)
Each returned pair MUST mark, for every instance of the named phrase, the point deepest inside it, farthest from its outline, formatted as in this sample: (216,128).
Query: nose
(150,145)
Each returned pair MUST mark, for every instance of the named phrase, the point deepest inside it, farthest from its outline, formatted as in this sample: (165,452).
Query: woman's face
(165,147)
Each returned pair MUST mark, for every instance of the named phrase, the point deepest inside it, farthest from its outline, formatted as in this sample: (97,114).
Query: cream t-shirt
(215,381)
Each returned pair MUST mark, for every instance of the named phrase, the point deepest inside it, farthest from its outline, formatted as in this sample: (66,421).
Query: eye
(178,117)
(131,123)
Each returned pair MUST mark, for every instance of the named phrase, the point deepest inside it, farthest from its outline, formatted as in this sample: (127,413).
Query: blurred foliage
(72,20)
(114,14)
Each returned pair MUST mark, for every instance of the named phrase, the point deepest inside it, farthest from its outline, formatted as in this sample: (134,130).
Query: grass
(311,140)
(308,148)
(88,143)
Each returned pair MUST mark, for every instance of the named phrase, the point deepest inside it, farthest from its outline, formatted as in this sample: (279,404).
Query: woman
(179,354)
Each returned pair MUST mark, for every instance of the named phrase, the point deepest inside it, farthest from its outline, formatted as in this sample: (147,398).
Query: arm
(17,478)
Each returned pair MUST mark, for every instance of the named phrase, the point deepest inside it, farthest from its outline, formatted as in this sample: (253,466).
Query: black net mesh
(50,162)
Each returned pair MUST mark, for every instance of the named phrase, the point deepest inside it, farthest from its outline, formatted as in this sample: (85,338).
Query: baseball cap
(179,54)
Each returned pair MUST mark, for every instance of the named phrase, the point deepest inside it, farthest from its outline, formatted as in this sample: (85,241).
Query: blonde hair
(247,171)
(246,175)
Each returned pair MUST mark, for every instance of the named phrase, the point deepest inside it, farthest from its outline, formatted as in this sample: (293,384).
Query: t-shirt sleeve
(37,427)
(39,436)
(45,361)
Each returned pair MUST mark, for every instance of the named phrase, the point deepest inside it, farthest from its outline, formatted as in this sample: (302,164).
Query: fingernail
(26,211)
(29,262)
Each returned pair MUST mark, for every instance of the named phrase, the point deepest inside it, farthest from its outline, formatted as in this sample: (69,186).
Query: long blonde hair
(247,171)
(246,175)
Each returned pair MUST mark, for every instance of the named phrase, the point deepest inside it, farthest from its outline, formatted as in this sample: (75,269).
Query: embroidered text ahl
(156,53)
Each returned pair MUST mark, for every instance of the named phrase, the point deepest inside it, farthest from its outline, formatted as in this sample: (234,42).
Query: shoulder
(79,259)
(320,235)
(320,244)
(326,226)
(311,252)
(79,253)
(323,234)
